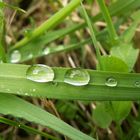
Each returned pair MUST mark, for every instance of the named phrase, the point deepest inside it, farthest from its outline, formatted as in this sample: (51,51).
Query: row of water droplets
(74,76)
(15,55)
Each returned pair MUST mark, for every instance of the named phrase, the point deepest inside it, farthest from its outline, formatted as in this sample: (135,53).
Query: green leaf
(127,53)
(101,116)
(12,105)
(112,63)
(120,110)
(67,109)
(135,16)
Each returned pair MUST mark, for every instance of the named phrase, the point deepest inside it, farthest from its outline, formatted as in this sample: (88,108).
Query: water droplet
(15,56)
(34,90)
(1,61)
(40,73)
(111,82)
(26,94)
(19,125)
(137,84)
(77,77)
(30,56)
(46,50)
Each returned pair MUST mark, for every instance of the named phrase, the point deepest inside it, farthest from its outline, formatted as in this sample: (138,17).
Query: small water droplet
(15,56)
(40,73)
(34,90)
(26,94)
(30,55)
(111,82)
(46,50)
(19,125)
(137,84)
(1,61)
(77,77)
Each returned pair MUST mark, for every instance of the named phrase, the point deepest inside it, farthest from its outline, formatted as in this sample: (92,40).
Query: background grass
(61,28)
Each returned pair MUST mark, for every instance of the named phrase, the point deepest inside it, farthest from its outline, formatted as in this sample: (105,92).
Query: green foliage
(101,116)
(37,115)
(116,64)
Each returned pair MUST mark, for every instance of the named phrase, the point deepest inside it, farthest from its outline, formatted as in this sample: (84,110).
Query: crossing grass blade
(26,128)
(11,105)
(13,77)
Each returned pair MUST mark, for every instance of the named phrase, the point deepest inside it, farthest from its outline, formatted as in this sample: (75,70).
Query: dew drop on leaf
(77,77)
(137,84)
(46,50)
(30,55)
(1,62)
(40,73)
(111,82)
(15,56)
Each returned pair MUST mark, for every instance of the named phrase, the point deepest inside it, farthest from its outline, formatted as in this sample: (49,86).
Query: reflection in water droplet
(15,56)
(30,55)
(34,90)
(111,82)
(46,50)
(26,94)
(77,77)
(137,84)
(40,73)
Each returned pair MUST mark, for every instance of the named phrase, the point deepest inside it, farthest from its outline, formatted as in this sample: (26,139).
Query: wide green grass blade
(13,77)
(12,105)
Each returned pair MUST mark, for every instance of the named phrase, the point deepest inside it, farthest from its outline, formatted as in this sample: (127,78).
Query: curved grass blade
(117,8)
(3,4)
(13,77)
(10,104)
(50,23)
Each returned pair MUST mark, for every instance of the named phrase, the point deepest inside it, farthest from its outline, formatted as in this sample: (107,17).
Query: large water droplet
(77,77)
(111,82)
(137,84)
(15,56)
(40,73)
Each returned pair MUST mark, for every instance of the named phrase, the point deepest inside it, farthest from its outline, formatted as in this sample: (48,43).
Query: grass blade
(50,23)
(35,114)
(26,128)
(13,77)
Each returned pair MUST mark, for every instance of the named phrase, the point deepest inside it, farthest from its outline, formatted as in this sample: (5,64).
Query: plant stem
(112,33)
(26,128)
(50,23)
(2,51)
(93,37)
